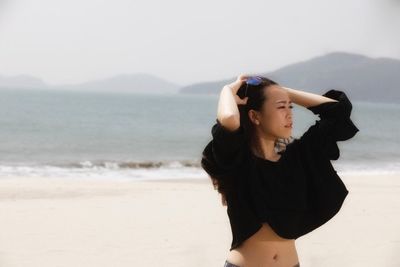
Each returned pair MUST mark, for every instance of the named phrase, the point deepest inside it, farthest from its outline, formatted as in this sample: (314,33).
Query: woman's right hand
(234,87)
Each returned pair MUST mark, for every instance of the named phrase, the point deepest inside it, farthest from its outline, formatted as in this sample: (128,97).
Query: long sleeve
(334,125)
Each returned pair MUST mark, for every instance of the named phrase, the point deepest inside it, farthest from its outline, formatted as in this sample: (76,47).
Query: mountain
(21,82)
(138,83)
(132,83)
(361,77)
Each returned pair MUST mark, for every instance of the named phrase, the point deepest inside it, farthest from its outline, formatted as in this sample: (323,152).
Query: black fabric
(227,146)
(294,195)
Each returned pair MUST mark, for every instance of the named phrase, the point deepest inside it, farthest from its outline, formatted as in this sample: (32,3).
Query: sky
(73,41)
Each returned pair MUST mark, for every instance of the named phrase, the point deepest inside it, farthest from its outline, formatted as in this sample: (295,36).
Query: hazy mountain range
(137,83)
(21,81)
(363,78)
(143,83)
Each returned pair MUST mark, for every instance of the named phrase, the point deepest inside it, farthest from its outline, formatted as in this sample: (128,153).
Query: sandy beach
(60,222)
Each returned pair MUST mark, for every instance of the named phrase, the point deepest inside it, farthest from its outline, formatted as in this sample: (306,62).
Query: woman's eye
(289,107)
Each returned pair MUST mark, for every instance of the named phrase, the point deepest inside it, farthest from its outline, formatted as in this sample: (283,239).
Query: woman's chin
(288,133)
(286,136)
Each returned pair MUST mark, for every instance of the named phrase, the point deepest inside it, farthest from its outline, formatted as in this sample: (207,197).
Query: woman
(276,188)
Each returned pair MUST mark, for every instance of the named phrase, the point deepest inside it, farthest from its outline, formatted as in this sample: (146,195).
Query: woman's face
(275,117)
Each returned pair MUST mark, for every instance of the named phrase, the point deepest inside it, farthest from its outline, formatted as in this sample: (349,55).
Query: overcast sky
(183,41)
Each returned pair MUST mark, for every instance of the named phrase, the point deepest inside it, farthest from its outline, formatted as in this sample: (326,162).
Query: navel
(275,257)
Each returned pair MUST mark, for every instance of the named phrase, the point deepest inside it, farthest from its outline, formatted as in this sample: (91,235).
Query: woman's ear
(254,117)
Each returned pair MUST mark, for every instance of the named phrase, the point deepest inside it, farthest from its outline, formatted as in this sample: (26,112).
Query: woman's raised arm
(307,99)
(334,124)
(228,112)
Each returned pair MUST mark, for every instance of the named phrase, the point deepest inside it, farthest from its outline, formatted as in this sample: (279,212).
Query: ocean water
(69,134)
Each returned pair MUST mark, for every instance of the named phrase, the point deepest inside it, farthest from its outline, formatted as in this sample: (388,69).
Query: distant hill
(21,81)
(363,78)
(132,83)
(138,83)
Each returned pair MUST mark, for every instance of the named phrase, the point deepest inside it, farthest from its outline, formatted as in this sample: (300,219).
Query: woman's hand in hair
(234,87)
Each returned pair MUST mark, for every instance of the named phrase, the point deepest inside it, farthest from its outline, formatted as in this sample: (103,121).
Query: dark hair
(256,97)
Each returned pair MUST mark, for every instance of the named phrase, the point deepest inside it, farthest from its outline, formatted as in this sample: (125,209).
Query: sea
(130,136)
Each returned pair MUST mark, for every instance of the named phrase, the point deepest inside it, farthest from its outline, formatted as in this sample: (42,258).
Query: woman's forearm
(306,99)
(228,111)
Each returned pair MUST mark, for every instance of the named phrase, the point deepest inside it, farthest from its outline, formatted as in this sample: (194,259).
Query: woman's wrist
(289,91)
(228,86)
(286,88)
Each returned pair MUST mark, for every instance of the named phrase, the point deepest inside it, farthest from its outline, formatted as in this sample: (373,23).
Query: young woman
(276,187)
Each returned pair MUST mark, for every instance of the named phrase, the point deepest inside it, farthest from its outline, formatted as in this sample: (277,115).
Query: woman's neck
(264,148)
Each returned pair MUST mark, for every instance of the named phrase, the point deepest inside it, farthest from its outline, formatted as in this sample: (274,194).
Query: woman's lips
(289,125)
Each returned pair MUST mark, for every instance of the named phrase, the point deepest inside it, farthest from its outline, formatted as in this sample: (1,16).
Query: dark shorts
(228,264)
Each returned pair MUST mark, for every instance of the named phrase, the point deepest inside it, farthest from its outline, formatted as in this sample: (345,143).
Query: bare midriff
(265,248)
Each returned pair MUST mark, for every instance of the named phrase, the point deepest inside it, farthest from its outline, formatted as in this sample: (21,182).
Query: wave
(144,170)
(132,164)
(148,170)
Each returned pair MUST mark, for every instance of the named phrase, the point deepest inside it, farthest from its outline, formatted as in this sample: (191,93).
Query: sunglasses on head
(254,80)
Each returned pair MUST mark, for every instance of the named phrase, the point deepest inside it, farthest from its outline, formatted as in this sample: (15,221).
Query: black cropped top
(294,195)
